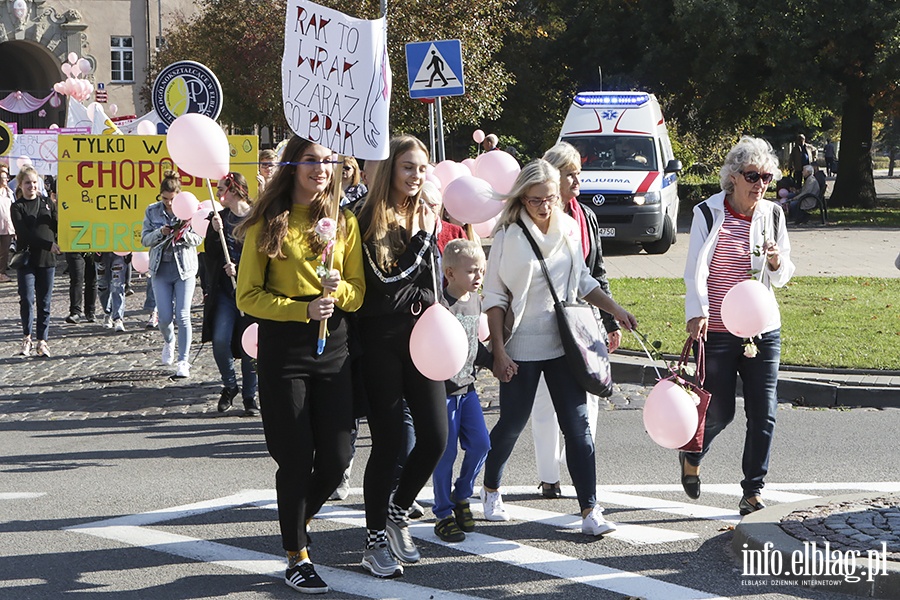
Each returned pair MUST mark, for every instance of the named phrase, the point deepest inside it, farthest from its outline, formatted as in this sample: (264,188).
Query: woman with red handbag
(735,233)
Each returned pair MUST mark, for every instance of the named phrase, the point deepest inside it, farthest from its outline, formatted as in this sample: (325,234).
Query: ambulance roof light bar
(612,99)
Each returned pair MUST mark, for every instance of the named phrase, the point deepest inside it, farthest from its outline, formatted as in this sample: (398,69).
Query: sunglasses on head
(754,176)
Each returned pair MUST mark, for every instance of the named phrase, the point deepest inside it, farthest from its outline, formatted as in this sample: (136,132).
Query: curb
(760,531)
(791,388)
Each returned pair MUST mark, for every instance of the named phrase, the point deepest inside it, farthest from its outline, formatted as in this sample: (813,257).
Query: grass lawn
(886,214)
(851,322)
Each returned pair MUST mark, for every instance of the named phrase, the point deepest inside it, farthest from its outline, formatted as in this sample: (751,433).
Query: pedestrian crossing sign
(435,69)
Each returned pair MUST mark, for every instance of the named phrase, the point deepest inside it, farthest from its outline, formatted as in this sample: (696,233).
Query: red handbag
(695,385)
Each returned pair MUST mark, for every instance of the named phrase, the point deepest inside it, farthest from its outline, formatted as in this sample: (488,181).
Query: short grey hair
(564,157)
(748,151)
(808,170)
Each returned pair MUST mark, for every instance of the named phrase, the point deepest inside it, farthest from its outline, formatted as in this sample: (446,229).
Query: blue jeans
(227,316)
(465,423)
(172,292)
(570,402)
(35,286)
(725,360)
(111,279)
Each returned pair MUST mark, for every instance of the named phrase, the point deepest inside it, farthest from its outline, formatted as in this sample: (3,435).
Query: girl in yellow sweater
(305,398)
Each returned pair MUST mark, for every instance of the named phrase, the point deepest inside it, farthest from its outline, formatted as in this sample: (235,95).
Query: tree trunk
(854,185)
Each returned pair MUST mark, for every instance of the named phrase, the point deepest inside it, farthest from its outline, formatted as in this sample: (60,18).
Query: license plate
(607,232)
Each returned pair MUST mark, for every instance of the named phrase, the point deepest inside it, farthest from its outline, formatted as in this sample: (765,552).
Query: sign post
(435,69)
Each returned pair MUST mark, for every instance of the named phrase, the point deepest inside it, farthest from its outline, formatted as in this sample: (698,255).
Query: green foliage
(851,322)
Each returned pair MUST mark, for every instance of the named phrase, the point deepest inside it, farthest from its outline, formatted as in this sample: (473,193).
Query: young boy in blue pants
(463,264)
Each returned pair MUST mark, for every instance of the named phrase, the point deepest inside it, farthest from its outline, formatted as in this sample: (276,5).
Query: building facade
(118,37)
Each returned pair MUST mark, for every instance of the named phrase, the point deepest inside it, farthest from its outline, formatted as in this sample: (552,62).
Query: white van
(628,172)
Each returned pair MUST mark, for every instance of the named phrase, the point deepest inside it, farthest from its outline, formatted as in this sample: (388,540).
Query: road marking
(20,495)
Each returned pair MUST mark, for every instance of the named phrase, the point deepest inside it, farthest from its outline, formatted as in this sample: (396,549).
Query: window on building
(122,57)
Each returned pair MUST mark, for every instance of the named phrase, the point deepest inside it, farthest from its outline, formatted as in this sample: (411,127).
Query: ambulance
(628,172)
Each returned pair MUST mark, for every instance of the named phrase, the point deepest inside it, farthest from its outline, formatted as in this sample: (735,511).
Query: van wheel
(662,245)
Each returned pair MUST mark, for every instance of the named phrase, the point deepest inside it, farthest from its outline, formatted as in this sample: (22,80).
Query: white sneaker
(182,369)
(595,524)
(118,325)
(493,506)
(108,321)
(168,353)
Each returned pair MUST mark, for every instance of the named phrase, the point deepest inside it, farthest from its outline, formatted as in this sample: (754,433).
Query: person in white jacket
(735,235)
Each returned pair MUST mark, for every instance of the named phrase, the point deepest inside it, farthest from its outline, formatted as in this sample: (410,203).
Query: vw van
(628,173)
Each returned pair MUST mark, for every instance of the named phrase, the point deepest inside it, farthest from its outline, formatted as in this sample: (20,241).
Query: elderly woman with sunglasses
(518,301)
(737,234)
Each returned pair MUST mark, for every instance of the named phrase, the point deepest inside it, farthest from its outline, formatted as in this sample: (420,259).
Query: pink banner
(23,102)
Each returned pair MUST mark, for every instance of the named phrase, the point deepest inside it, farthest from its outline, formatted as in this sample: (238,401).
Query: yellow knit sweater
(284,292)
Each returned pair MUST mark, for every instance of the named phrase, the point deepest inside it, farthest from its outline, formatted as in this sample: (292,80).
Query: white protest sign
(336,80)
(39,148)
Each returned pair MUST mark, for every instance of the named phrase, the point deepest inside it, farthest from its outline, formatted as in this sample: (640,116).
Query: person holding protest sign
(306,398)
(35,221)
(173,271)
(400,245)
(223,323)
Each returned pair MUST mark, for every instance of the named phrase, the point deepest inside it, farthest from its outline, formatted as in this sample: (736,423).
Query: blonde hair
(456,250)
(534,173)
(351,162)
(564,157)
(379,215)
(22,174)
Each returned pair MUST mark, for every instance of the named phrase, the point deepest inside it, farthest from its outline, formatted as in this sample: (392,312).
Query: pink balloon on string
(76,70)
(438,344)
(748,308)
(60,87)
(209,206)
(53,126)
(146,128)
(471,200)
(85,66)
(200,222)
(433,179)
(122,252)
(113,109)
(478,136)
(140,261)
(485,228)
(250,340)
(67,69)
(73,58)
(470,164)
(199,146)
(483,331)
(91,110)
(448,170)
(670,415)
(499,169)
(184,205)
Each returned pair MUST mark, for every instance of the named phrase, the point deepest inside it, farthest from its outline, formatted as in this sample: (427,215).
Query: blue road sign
(435,69)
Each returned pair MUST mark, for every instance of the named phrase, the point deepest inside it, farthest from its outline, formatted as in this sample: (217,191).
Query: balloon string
(647,352)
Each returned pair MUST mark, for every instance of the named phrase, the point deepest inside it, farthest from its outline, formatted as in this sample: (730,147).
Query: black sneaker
(90,318)
(251,407)
(448,530)
(74,318)
(303,578)
(464,518)
(226,398)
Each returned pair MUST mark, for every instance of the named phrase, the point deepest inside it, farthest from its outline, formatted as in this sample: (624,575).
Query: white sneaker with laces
(168,353)
(492,502)
(118,325)
(595,524)
(182,369)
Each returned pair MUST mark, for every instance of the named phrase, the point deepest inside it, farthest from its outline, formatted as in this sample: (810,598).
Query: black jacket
(36,224)
(594,261)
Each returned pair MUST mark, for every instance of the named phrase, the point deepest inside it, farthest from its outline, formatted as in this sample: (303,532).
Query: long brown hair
(236,183)
(273,207)
(379,212)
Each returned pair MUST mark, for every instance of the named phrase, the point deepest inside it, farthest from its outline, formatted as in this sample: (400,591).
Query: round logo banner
(186,87)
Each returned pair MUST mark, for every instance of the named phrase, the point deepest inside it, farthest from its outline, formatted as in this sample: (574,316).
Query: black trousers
(82,283)
(307,413)
(390,377)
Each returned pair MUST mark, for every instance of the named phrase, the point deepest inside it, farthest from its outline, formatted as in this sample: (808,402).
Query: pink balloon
(485,229)
(184,205)
(200,222)
(67,69)
(437,182)
(209,205)
(478,136)
(85,66)
(499,169)
(140,261)
(471,200)
(448,170)
(747,308)
(199,146)
(91,110)
(113,109)
(76,70)
(483,332)
(250,340)
(60,87)
(438,344)
(146,128)
(122,253)
(670,415)
(429,169)
(73,58)
(53,126)
(470,163)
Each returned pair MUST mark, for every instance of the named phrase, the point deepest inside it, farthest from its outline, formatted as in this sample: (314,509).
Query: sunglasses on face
(347,169)
(754,176)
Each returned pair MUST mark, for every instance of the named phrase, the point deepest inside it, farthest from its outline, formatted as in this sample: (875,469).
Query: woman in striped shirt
(735,235)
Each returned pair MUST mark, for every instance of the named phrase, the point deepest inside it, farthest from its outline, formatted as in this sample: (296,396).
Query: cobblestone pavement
(852,525)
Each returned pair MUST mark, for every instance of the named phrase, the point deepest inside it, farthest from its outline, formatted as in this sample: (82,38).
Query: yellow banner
(106,182)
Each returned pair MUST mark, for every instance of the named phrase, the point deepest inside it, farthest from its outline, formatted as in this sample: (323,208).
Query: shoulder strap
(707,213)
(776,221)
(540,257)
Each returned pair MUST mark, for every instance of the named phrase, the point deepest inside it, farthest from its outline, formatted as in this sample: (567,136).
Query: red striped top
(730,263)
